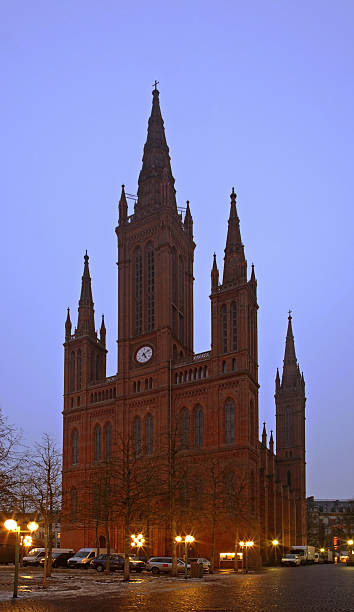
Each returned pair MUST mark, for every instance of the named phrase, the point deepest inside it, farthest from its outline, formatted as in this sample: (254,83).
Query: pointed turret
(68,327)
(234,261)
(156,182)
(277,381)
(123,207)
(271,442)
(86,319)
(291,371)
(188,222)
(214,275)
(103,332)
(264,435)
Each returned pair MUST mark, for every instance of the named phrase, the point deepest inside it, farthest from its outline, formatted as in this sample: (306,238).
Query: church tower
(290,431)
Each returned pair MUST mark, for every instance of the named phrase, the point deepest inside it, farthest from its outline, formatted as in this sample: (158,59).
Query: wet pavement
(302,589)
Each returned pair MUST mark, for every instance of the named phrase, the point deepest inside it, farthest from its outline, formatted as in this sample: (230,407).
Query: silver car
(157,565)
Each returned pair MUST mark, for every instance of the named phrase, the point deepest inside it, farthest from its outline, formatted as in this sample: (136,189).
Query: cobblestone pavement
(323,588)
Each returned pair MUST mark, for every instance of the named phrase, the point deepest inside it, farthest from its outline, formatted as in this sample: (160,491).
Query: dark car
(58,559)
(116,562)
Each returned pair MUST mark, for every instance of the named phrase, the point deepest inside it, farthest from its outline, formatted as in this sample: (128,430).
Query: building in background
(330,523)
(190,419)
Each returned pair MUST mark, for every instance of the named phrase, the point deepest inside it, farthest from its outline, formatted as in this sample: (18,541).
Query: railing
(200,356)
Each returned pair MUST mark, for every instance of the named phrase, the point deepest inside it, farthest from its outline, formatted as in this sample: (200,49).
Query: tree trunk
(126,550)
(108,545)
(212,553)
(174,547)
(44,582)
(50,547)
(236,549)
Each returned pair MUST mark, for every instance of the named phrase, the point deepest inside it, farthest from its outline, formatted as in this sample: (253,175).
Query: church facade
(191,419)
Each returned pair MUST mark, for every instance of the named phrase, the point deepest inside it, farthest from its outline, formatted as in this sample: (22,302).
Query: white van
(84,556)
(36,554)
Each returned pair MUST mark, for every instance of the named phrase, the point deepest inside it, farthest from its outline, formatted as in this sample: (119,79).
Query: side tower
(290,431)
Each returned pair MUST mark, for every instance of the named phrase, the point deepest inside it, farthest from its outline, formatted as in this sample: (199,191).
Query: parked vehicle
(202,561)
(317,558)
(326,556)
(291,559)
(82,558)
(116,562)
(59,559)
(307,553)
(164,565)
(35,555)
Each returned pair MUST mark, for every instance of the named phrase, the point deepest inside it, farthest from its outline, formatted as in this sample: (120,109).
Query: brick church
(199,411)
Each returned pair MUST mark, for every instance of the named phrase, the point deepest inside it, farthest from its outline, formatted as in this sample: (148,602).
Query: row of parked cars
(87,558)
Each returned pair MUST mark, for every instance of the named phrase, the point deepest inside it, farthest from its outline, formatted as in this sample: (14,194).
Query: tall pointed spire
(86,319)
(264,435)
(103,332)
(291,372)
(214,275)
(188,221)
(156,182)
(68,327)
(123,207)
(234,261)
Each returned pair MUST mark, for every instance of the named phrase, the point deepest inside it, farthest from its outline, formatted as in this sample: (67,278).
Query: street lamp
(188,539)
(138,541)
(11,525)
(248,545)
(275,549)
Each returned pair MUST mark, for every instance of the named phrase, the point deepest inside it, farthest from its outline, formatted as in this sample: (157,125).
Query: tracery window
(185,428)
(72,371)
(108,441)
(229,421)
(75,447)
(150,288)
(224,328)
(138,298)
(79,369)
(198,427)
(149,435)
(137,436)
(234,326)
(98,443)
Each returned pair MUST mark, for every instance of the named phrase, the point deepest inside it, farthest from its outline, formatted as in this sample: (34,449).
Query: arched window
(108,441)
(224,328)
(98,443)
(230,491)
(198,427)
(98,373)
(289,478)
(75,447)
(150,288)
(79,369)
(138,290)
(73,504)
(229,421)
(137,435)
(185,428)
(149,434)
(234,326)
(72,371)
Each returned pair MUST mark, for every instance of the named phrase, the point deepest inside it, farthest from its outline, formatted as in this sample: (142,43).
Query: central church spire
(156,182)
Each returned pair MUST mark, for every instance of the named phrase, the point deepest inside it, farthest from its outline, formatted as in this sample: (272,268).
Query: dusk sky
(256,95)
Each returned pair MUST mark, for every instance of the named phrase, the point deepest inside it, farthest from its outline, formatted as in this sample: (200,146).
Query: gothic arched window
(149,434)
(185,428)
(137,435)
(72,371)
(79,369)
(150,288)
(229,421)
(198,427)
(75,447)
(98,443)
(73,504)
(224,328)
(138,290)
(234,326)
(108,441)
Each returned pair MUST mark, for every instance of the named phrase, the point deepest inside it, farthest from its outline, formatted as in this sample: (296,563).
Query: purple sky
(256,95)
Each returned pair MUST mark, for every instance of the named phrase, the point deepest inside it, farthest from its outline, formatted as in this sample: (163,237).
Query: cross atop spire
(290,366)
(86,319)
(234,260)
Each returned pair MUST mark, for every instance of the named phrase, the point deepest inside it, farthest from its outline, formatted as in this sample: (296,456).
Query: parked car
(34,556)
(116,562)
(202,561)
(59,559)
(164,564)
(82,558)
(291,559)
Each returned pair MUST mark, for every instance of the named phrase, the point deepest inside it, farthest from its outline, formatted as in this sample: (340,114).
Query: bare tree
(9,462)
(43,469)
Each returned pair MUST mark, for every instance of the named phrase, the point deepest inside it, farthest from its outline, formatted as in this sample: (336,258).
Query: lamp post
(189,539)
(11,525)
(242,545)
(248,544)
(138,541)
(275,549)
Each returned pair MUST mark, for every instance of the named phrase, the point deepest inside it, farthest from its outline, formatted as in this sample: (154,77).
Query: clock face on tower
(144,354)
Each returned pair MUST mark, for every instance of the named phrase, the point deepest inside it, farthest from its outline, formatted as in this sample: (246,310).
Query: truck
(307,554)
(325,556)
